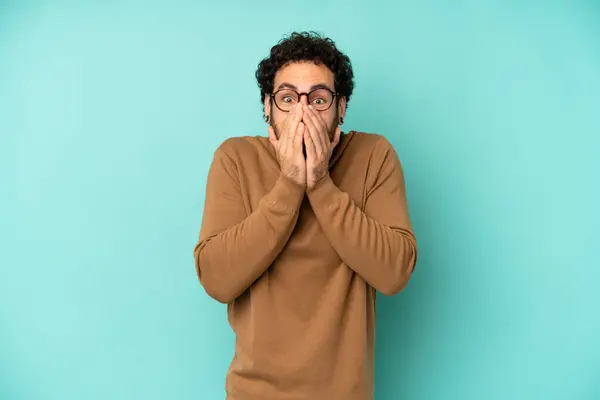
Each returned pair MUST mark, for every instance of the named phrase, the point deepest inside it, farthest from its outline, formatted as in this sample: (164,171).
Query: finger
(321,128)
(299,136)
(315,137)
(311,150)
(321,138)
(313,132)
(286,134)
(287,123)
(319,120)
(294,119)
(308,120)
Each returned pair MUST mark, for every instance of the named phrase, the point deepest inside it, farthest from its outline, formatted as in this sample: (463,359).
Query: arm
(234,248)
(378,244)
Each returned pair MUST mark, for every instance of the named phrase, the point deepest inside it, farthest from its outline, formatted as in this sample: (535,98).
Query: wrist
(311,184)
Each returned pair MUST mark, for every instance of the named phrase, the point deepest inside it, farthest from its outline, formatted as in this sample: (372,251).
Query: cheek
(330,119)
(277,115)
(277,122)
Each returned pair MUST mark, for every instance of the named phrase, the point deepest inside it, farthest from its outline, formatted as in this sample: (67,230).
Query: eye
(288,99)
(320,98)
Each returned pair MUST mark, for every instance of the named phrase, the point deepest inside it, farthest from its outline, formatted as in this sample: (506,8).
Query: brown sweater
(299,269)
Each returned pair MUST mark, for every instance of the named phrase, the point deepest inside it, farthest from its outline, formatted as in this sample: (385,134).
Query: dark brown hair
(306,46)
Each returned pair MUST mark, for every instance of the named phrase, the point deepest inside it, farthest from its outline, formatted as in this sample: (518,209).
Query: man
(300,230)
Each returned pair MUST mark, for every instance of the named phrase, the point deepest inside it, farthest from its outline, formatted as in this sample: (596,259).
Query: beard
(330,130)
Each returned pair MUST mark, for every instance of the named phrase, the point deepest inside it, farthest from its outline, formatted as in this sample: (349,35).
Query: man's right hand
(288,146)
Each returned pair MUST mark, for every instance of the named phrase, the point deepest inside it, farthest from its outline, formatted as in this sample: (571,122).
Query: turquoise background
(109,115)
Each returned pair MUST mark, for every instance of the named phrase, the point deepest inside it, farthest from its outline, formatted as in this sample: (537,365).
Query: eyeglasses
(321,98)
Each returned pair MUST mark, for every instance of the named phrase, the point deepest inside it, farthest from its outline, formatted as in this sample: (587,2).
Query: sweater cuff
(286,195)
(323,193)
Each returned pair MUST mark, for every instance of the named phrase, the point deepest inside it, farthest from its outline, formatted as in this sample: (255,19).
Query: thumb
(336,137)
(272,135)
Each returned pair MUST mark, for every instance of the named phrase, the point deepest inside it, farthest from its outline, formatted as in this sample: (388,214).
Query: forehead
(303,75)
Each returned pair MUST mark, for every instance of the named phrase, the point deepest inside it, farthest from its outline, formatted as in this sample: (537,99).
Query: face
(304,77)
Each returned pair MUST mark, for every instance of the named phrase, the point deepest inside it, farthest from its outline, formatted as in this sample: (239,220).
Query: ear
(342,107)
(267,104)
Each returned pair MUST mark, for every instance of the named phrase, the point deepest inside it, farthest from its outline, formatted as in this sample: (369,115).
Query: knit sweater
(299,268)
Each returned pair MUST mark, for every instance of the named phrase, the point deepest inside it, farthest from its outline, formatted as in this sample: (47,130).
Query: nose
(304,99)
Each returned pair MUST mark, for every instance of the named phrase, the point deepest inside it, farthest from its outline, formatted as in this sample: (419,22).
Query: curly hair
(306,46)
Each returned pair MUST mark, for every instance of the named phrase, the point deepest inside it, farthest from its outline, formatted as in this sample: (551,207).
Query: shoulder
(375,144)
(238,148)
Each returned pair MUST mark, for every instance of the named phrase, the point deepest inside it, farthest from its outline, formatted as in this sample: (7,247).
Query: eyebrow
(286,85)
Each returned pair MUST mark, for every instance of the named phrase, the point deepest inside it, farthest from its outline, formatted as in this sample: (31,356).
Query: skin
(318,132)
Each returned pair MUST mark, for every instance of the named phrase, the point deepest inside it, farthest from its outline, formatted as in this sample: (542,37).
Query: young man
(300,230)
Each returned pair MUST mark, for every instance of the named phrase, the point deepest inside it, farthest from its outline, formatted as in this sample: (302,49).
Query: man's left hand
(318,145)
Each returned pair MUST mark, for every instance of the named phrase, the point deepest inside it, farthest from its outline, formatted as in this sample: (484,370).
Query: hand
(318,146)
(288,146)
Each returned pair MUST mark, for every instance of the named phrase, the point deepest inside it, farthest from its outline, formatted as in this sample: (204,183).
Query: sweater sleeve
(378,244)
(234,248)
